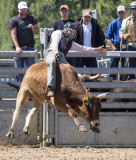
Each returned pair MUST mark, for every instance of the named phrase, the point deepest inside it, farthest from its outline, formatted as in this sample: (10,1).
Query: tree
(47,11)
(7,9)
(107,10)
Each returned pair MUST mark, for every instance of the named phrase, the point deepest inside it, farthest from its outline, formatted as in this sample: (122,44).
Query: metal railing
(111,106)
(8,71)
(103,68)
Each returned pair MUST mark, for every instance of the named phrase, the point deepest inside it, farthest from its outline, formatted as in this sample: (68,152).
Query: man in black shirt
(59,25)
(23,27)
(64,12)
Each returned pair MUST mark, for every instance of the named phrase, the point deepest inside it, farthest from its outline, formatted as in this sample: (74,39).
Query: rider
(61,43)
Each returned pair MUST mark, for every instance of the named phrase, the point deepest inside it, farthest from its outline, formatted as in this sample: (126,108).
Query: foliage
(107,10)
(47,11)
(6,10)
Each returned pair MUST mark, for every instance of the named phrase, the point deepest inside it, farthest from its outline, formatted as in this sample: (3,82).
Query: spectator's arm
(109,41)
(123,29)
(14,39)
(100,36)
(34,28)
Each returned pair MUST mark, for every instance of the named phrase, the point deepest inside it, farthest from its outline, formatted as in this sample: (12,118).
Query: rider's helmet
(69,30)
(70,25)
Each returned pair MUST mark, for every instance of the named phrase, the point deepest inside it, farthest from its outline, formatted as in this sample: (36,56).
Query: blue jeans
(50,59)
(21,62)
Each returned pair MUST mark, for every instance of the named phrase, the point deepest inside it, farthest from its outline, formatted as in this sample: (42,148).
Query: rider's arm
(55,39)
(78,47)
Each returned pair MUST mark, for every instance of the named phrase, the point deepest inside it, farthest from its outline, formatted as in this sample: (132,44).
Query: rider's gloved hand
(58,58)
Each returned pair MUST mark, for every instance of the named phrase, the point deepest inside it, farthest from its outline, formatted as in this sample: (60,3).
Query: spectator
(128,32)
(23,27)
(59,25)
(113,39)
(64,13)
(89,33)
(61,43)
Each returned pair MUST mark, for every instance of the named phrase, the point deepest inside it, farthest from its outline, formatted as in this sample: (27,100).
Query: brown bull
(71,97)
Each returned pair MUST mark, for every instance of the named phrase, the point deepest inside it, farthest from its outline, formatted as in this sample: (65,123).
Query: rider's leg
(51,73)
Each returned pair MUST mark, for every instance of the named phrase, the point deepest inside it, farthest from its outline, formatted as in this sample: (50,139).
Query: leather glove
(58,58)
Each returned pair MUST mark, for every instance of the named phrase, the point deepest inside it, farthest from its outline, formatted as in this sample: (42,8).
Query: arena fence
(8,99)
(118,114)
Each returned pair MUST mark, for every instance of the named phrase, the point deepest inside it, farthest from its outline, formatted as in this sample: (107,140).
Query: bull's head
(91,108)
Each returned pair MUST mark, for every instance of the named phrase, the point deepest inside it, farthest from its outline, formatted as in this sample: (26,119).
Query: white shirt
(87,33)
(55,39)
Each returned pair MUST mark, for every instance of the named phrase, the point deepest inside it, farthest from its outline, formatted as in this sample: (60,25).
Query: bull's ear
(86,102)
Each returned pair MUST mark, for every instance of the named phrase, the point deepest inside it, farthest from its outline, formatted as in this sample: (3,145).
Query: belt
(24,47)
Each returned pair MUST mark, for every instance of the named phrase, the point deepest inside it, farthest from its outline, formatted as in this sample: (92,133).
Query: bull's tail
(13,85)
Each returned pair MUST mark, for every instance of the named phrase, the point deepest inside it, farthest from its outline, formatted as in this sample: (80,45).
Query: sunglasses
(122,12)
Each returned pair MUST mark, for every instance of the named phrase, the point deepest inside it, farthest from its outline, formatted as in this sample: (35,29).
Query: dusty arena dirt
(36,152)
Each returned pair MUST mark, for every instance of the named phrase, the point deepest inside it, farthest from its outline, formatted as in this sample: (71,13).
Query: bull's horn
(84,77)
(103,95)
(91,78)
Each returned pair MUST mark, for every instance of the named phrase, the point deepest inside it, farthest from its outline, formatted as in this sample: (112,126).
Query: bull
(71,97)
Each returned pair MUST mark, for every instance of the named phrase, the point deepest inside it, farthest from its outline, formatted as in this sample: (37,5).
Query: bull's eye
(86,102)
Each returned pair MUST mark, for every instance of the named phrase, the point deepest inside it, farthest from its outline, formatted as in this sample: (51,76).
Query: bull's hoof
(97,124)
(25,130)
(82,128)
(96,130)
(10,134)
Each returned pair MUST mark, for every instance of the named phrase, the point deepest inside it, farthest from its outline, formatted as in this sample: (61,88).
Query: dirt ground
(36,152)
